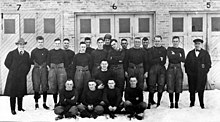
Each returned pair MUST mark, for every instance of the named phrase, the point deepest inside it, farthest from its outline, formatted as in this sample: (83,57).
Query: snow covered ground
(160,114)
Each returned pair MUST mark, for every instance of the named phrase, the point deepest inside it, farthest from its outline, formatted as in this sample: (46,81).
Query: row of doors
(27,26)
(119,26)
(189,26)
(186,25)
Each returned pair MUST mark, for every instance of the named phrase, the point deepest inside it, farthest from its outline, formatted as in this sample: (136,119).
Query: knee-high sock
(55,98)
(177,96)
(45,96)
(171,97)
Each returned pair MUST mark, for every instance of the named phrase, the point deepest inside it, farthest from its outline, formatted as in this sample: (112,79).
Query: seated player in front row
(134,104)
(112,98)
(67,103)
(91,101)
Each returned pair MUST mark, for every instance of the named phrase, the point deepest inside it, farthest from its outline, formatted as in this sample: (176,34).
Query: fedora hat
(21,41)
(198,40)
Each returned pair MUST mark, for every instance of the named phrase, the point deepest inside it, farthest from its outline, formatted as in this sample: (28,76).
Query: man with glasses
(18,62)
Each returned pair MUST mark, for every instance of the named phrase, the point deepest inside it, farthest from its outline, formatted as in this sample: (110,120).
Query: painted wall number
(114,6)
(19,6)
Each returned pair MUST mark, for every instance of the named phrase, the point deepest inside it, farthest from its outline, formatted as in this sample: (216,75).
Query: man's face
(107,41)
(21,47)
(92,86)
(88,43)
(40,43)
(114,45)
(124,44)
(176,42)
(66,44)
(145,43)
(137,43)
(69,84)
(198,45)
(104,65)
(57,44)
(82,48)
(157,41)
(111,84)
(100,44)
(133,82)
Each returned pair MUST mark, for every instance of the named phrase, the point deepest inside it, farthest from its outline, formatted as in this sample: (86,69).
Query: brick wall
(68,7)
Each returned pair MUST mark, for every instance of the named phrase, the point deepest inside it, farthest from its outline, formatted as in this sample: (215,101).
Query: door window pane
(29,25)
(9,25)
(105,26)
(124,25)
(143,24)
(85,25)
(215,23)
(197,24)
(178,24)
(49,25)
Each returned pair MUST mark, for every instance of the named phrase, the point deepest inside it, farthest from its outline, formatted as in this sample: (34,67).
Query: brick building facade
(76,19)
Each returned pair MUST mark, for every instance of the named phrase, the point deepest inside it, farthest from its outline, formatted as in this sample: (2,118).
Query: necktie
(21,52)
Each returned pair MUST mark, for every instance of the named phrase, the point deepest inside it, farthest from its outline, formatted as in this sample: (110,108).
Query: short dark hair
(145,39)
(57,39)
(113,40)
(87,38)
(176,37)
(137,38)
(92,80)
(39,38)
(100,39)
(158,36)
(124,40)
(132,76)
(82,43)
(66,39)
(104,60)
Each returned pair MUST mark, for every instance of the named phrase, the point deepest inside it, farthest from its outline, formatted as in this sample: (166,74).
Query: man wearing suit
(197,65)
(18,62)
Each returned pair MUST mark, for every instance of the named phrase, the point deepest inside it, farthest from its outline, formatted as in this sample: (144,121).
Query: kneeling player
(68,100)
(112,98)
(134,104)
(91,101)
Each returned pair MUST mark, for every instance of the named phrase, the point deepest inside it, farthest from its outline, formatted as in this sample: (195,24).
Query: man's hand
(114,108)
(126,74)
(173,53)
(161,58)
(110,108)
(101,86)
(73,98)
(145,74)
(90,107)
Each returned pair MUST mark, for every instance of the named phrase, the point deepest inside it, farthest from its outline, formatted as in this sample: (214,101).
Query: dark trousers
(13,102)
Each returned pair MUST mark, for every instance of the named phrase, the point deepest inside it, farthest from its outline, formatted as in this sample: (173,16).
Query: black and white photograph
(110,60)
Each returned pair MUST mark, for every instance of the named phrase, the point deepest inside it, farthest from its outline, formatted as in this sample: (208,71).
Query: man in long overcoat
(18,62)
(197,65)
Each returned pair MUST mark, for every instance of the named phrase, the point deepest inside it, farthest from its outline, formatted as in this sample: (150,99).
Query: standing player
(88,42)
(174,77)
(39,72)
(157,58)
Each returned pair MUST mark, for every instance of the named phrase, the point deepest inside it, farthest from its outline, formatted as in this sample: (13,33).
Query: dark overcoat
(197,68)
(19,66)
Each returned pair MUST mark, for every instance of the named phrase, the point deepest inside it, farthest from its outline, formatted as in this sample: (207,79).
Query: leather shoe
(13,112)
(21,109)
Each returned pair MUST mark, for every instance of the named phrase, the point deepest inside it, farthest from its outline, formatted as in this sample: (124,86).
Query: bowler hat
(198,40)
(21,41)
